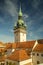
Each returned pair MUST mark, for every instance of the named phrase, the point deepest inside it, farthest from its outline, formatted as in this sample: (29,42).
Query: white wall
(21,62)
(20,36)
(36,58)
(3,62)
(25,62)
(16,63)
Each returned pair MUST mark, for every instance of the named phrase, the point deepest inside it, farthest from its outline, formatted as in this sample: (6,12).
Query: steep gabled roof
(19,55)
(39,48)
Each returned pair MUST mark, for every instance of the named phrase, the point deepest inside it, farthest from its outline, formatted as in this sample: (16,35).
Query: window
(37,54)
(14,64)
(2,64)
(41,54)
(0,54)
(38,62)
(33,53)
(6,63)
(10,63)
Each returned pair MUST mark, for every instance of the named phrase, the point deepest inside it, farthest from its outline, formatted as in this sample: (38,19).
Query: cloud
(11,30)
(33,36)
(35,3)
(10,7)
(2,21)
(25,16)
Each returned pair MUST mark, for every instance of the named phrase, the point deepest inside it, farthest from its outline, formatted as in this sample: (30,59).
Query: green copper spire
(20,22)
(20,12)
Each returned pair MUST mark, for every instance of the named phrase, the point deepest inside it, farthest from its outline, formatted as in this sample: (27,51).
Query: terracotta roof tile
(39,48)
(2,50)
(2,58)
(18,55)
(27,44)
(8,46)
(40,41)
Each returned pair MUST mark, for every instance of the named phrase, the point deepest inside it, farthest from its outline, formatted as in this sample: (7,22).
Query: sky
(32,15)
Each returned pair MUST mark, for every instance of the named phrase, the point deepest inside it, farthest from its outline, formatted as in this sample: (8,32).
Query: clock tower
(20,29)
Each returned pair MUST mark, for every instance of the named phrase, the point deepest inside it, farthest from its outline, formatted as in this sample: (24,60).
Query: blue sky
(32,16)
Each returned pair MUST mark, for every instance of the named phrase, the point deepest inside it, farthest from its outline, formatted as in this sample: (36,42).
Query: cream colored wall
(16,63)
(36,58)
(25,62)
(2,62)
(20,37)
(20,63)
(17,37)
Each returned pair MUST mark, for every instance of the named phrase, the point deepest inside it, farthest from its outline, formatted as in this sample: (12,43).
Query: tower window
(37,54)
(38,62)
(33,53)
(41,54)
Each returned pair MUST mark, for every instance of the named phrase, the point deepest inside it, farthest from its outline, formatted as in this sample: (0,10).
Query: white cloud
(25,16)
(10,7)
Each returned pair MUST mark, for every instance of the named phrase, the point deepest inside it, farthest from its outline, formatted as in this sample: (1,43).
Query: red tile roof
(19,55)
(27,44)
(40,41)
(39,48)
(8,46)
(2,58)
(1,50)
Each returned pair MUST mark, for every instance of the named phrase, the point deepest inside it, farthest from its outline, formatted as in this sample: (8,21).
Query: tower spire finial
(20,11)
